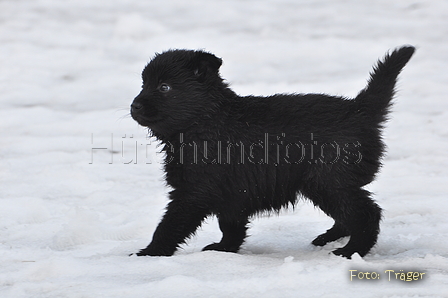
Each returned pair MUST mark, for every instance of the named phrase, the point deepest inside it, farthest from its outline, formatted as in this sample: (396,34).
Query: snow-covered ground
(71,213)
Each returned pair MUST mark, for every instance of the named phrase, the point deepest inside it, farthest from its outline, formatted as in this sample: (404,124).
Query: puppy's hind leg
(362,219)
(354,210)
(233,235)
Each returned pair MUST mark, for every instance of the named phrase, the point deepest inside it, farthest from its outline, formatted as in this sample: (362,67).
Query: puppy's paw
(320,240)
(325,238)
(221,247)
(143,252)
(347,252)
(343,253)
(150,251)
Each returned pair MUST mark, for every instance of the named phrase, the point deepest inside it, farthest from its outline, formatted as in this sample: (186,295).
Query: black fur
(236,157)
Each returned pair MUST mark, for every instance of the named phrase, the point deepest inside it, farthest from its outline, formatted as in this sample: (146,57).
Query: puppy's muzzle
(136,107)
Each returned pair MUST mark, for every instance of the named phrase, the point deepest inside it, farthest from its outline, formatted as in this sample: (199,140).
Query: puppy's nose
(135,106)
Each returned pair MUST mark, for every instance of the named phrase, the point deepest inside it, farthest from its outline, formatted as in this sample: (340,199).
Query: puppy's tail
(375,99)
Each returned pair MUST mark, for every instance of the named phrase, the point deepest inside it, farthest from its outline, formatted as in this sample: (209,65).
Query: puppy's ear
(204,64)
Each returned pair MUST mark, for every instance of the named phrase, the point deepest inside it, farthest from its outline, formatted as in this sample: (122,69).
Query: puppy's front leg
(183,216)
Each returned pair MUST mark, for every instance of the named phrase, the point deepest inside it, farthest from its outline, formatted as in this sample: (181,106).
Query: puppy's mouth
(145,121)
(145,117)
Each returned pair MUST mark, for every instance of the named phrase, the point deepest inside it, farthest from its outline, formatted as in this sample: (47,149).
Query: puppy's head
(179,86)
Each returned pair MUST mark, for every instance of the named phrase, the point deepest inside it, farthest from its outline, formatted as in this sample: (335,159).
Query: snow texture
(71,213)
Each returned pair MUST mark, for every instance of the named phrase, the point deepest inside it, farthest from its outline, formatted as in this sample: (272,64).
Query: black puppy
(236,157)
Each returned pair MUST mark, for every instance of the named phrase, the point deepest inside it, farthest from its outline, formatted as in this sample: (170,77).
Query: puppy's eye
(164,88)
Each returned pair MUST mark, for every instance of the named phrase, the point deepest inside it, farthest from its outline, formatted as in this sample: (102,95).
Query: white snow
(70,215)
